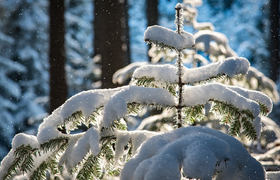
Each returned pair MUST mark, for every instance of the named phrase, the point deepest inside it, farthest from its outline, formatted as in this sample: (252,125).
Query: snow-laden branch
(9,160)
(168,38)
(201,153)
(123,74)
(230,67)
(265,84)
(254,95)
(238,97)
(221,40)
(86,102)
(117,106)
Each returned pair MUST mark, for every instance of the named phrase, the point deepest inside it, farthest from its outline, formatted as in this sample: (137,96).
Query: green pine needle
(24,155)
(91,168)
(77,119)
(231,116)
(160,45)
(151,82)
(60,143)
(193,113)
(249,129)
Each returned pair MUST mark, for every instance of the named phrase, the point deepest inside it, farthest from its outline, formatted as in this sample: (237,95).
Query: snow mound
(201,152)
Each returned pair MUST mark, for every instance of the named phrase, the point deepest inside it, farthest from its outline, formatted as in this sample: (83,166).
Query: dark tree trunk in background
(274,39)
(58,87)
(152,15)
(111,39)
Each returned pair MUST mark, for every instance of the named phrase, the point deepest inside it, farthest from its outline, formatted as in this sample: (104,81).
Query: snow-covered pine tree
(191,152)
(210,46)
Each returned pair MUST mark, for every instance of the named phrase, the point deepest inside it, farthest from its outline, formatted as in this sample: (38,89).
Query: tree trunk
(152,15)
(274,39)
(58,87)
(111,39)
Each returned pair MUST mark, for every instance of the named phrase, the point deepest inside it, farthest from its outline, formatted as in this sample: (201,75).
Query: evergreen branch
(151,82)
(249,129)
(91,168)
(144,81)
(109,154)
(160,45)
(58,146)
(235,127)
(134,108)
(23,160)
(60,143)
(231,116)
(50,164)
(218,78)
(263,108)
(77,119)
(119,125)
(193,113)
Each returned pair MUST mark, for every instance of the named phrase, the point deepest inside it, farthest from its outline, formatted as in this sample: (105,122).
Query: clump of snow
(178,6)
(24,139)
(233,65)
(48,133)
(229,66)
(166,72)
(200,151)
(79,146)
(8,160)
(137,138)
(117,106)
(68,157)
(87,102)
(169,38)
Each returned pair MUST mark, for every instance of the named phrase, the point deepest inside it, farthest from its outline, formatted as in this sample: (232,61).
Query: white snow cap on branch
(254,95)
(121,75)
(24,139)
(206,36)
(86,101)
(200,151)
(117,106)
(169,38)
(19,139)
(230,66)
(221,92)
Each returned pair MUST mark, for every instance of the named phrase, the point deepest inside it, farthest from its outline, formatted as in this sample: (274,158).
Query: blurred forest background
(51,50)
